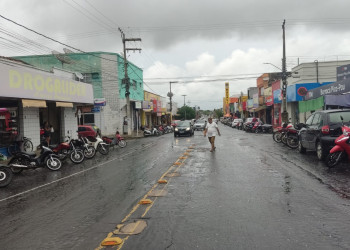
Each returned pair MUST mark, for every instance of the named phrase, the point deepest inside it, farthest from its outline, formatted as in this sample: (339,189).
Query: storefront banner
(343,72)
(255,100)
(277,96)
(311,105)
(244,106)
(268,91)
(28,83)
(233,99)
(336,88)
(154,105)
(269,100)
(250,103)
(159,106)
(145,105)
(337,100)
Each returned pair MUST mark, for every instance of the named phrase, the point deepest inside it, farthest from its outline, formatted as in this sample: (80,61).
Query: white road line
(77,173)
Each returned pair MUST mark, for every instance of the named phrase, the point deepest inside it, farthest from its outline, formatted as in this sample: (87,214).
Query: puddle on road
(132,228)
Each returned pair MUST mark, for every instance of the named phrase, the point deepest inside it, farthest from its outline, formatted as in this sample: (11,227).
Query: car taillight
(325,130)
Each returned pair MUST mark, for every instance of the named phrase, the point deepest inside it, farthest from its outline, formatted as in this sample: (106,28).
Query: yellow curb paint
(145,202)
(177,163)
(183,157)
(162,181)
(111,241)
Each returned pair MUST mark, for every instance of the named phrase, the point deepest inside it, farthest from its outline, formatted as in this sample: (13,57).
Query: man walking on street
(211,129)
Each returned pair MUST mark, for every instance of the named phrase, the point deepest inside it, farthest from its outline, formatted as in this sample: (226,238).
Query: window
(335,117)
(309,120)
(316,120)
(81,129)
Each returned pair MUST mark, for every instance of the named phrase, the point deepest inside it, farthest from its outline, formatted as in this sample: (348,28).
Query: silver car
(199,125)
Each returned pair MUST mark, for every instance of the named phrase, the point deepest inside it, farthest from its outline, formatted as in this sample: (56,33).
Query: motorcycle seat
(29,153)
(53,146)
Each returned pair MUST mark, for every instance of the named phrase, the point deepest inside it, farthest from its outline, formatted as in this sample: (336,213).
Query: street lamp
(273,65)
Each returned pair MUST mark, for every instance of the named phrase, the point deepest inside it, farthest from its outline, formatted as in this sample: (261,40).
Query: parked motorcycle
(69,148)
(118,140)
(151,132)
(89,150)
(21,161)
(341,148)
(5,176)
(98,144)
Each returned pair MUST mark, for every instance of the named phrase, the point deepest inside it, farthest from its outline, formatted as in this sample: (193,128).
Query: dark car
(184,128)
(320,131)
(87,130)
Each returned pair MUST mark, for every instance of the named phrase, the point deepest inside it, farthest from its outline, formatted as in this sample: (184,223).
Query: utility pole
(126,79)
(184,105)
(170,95)
(284,78)
(316,61)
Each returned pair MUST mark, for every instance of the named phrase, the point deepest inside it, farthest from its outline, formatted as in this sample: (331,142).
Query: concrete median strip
(137,226)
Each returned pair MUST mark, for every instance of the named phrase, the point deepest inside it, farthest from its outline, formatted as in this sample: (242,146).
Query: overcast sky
(191,42)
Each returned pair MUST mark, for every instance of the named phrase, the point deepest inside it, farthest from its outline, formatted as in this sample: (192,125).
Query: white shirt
(211,129)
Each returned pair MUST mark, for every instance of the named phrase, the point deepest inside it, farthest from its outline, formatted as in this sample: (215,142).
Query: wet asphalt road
(252,193)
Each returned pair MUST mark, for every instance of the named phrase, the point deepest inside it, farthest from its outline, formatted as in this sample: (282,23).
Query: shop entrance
(52,115)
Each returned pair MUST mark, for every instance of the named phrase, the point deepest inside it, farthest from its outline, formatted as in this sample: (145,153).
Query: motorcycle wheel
(103,149)
(292,142)
(77,156)
(333,159)
(14,169)
(28,146)
(122,143)
(89,152)
(5,176)
(277,137)
(53,163)
(284,139)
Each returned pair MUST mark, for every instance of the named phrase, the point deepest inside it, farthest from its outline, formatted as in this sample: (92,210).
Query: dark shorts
(47,134)
(211,139)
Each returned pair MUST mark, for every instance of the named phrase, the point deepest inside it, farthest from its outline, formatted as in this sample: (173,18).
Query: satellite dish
(79,75)
(68,51)
(62,58)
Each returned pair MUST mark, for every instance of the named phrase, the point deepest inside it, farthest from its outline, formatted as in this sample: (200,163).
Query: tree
(218,113)
(190,113)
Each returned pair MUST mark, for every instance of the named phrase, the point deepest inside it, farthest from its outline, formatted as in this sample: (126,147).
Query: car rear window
(335,117)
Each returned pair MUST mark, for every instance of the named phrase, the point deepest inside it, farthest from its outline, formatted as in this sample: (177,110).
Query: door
(304,140)
(313,131)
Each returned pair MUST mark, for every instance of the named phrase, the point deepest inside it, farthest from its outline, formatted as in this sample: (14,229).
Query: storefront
(33,96)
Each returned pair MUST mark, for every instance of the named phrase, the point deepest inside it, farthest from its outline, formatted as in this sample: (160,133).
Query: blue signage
(96,109)
(277,96)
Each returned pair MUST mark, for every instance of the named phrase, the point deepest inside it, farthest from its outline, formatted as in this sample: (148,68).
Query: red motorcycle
(341,148)
(118,140)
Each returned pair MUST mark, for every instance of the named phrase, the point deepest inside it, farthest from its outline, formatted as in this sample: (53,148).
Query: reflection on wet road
(172,193)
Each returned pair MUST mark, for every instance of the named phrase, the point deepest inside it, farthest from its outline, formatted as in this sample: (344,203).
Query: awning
(33,103)
(64,104)
(310,105)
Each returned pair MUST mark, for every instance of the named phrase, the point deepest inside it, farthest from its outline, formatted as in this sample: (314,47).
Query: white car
(235,122)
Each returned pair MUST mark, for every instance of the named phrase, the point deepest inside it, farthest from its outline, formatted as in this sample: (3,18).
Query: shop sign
(336,88)
(145,105)
(137,105)
(96,109)
(27,83)
(227,93)
(100,101)
(269,100)
(159,106)
(343,72)
(86,109)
